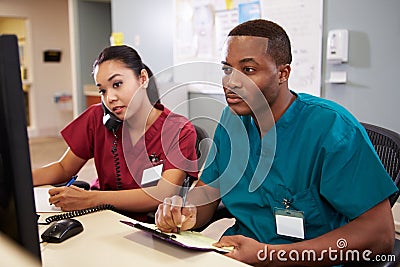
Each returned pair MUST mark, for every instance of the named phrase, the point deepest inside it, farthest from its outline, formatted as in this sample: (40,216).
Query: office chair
(387,146)
(203,145)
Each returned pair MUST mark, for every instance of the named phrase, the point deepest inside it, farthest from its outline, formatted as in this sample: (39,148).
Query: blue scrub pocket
(308,202)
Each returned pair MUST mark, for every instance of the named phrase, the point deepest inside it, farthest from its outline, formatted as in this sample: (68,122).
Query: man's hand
(246,249)
(170,215)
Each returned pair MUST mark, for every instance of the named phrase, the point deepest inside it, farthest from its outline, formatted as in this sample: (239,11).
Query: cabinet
(92,95)
(90,100)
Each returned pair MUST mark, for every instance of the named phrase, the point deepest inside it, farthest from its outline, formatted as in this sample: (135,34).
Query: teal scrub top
(318,157)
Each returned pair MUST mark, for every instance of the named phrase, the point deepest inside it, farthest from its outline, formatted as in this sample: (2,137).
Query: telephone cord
(116,163)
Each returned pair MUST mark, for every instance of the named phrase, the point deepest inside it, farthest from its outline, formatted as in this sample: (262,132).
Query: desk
(12,254)
(107,242)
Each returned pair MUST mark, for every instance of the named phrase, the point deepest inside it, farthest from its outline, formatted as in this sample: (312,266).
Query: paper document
(187,239)
(42,200)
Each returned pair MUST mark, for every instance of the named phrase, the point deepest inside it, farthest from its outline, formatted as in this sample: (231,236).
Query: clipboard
(186,239)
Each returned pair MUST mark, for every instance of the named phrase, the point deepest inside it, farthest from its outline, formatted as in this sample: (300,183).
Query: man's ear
(284,71)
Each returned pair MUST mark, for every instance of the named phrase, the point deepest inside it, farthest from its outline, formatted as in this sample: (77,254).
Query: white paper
(152,174)
(42,200)
(289,226)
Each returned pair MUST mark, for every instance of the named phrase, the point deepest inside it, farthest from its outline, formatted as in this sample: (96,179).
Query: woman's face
(117,85)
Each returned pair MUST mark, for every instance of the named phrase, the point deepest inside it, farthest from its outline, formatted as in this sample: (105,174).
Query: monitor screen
(18,218)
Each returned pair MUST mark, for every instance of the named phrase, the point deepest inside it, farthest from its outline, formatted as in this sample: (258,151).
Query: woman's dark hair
(278,41)
(131,58)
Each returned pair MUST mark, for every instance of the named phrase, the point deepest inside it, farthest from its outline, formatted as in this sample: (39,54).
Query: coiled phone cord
(116,162)
(77,213)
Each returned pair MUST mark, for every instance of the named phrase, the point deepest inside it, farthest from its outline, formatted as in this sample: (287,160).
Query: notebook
(42,200)
(186,239)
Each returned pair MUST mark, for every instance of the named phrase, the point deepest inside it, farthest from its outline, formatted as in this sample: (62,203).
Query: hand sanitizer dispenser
(337,46)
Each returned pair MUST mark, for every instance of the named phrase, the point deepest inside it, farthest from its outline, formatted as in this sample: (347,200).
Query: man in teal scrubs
(297,172)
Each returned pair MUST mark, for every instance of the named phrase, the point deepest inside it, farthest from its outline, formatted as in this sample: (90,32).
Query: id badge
(152,174)
(289,223)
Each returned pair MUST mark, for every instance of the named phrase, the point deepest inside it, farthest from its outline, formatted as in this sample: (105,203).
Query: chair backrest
(202,145)
(387,146)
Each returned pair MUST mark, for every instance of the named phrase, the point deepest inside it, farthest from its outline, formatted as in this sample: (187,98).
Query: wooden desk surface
(107,242)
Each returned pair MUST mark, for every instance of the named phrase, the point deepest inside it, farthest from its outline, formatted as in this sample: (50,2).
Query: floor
(49,149)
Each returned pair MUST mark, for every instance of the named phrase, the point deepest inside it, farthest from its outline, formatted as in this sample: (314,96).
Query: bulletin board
(202,27)
(302,20)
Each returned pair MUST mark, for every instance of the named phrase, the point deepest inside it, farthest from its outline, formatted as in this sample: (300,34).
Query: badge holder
(151,175)
(289,222)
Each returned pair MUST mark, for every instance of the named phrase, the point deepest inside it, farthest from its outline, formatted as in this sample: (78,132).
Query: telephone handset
(110,121)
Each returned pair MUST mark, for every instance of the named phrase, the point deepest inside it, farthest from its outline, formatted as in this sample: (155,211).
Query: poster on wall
(203,25)
(195,31)
(249,11)
(225,20)
(302,20)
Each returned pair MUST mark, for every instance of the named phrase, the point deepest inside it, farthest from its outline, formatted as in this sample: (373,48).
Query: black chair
(203,144)
(387,146)
(202,147)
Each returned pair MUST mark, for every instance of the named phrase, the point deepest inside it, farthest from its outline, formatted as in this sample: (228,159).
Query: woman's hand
(170,215)
(70,198)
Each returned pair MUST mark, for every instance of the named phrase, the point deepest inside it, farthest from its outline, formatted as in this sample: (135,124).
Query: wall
(47,29)
(148,26)
(93,35)
(372,93)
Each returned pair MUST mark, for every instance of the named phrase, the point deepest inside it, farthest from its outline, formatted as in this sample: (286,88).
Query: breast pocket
(307,201)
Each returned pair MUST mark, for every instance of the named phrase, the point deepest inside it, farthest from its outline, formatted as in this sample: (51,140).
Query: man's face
(251,77)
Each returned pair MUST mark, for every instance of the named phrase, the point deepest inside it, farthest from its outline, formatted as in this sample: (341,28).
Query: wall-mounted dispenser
(337,46)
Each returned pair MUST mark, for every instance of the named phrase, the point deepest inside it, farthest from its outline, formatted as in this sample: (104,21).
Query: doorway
(18,26)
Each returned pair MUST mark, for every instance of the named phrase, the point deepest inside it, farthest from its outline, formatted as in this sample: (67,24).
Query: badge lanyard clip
(289,222)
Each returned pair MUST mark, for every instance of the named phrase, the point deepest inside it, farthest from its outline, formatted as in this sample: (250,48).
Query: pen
(183,193)
(71,181)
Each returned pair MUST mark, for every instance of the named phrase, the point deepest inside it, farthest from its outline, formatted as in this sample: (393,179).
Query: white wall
(372,92)
(91,32)
(147,26)
(48,29)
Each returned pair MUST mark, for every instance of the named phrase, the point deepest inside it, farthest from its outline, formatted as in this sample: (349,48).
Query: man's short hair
(278,41)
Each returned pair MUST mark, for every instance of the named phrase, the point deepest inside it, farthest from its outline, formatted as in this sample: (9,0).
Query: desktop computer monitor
(18,218)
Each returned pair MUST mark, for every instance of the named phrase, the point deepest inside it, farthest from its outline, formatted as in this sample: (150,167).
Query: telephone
(110,121)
